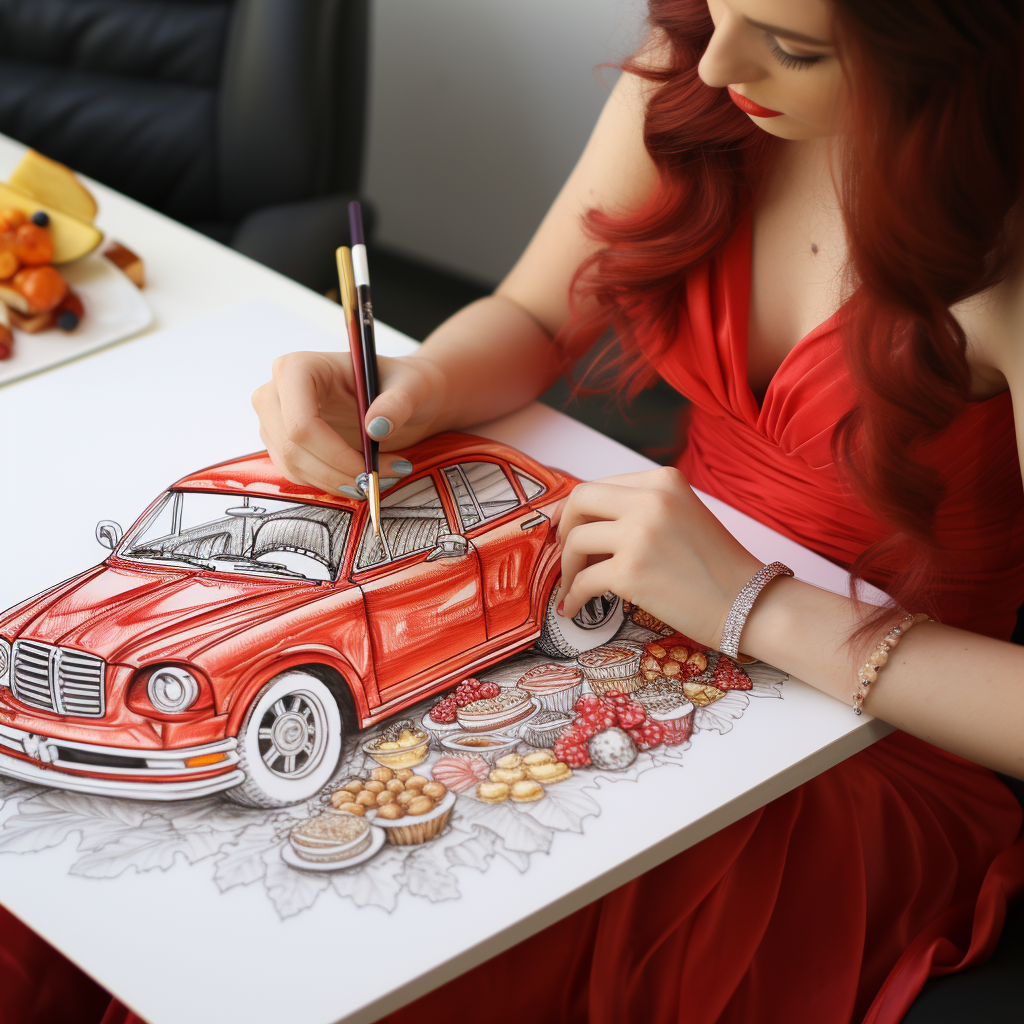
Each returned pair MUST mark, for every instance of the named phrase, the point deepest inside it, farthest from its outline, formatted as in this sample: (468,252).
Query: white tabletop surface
(223,937)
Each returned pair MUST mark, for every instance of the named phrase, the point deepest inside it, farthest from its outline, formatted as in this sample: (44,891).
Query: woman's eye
(789,60)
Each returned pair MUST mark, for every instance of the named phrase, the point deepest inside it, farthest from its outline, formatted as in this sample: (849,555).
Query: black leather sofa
(242,118)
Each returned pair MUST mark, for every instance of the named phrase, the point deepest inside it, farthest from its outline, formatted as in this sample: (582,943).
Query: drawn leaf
(290,891)
(718,717)
(242,862)
(150,845)
(374,884)
(564,807)
(47,819)
(426,873)
(767,680)
(517,829)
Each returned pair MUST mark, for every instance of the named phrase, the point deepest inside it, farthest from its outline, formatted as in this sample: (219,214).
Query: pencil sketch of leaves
(48,818)
(426,873)
(518,830)
(564,807)
(151,844)
(290,891)
(374,884)
(767,680)
(719,716)
(242,860)
(477,851)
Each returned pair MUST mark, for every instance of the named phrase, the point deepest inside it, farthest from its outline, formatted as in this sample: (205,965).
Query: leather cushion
(167,41)
(154,141)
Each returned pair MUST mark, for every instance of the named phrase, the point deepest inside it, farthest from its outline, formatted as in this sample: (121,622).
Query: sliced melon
(54,185)
(71,237)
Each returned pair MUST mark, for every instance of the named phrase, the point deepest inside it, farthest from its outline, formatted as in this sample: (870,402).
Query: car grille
(58,679)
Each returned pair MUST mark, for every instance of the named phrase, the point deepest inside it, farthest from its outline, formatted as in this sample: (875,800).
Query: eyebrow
(787,33)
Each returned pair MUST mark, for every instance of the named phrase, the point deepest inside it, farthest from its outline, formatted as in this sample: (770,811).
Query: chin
(788,128)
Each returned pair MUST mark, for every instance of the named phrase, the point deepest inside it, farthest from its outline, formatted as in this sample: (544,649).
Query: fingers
(589,582)
(589,502)
(404,389)
(584,545)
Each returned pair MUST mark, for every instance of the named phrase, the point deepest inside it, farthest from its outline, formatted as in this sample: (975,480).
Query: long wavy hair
(929,174)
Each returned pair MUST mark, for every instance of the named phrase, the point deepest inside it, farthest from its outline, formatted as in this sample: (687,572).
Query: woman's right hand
(310,424)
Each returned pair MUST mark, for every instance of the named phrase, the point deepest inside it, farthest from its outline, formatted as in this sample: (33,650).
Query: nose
(728,59)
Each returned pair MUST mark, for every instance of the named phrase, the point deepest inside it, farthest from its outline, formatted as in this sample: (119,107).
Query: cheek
(817,103)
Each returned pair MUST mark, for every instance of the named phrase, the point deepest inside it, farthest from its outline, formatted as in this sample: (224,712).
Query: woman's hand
(648,538)
(309,420)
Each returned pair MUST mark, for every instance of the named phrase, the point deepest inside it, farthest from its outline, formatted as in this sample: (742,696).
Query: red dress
(835,902)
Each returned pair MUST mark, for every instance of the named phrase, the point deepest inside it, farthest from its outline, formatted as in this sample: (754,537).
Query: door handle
(537,520)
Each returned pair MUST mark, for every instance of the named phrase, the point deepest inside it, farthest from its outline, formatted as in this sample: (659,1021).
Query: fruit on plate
(39,185)
(6,334)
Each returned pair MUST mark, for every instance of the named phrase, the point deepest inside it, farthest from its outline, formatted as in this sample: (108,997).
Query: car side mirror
(109,533)
(449,545)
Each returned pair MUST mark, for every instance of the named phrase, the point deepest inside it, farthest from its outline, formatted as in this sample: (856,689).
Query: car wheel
(289,742)
(595,624)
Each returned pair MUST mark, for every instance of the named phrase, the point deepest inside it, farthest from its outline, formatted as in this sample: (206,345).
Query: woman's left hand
(648,538)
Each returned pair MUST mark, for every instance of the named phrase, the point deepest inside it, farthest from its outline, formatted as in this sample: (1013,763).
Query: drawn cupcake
(555,686)
(614,666)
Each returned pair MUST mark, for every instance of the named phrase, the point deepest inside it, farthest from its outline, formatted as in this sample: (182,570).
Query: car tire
(289,742)
(595,624)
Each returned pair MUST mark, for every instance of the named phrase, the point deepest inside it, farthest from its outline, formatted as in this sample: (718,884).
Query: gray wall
(478,110)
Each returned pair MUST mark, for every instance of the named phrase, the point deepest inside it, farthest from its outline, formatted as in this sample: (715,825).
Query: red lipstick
(750,107)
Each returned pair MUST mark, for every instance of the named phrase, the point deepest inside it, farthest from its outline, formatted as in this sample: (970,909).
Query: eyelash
(790,60)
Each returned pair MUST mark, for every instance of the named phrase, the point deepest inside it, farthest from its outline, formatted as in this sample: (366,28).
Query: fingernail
(379,427)
(561,608)
(403,467)
(388,481)
(351,492)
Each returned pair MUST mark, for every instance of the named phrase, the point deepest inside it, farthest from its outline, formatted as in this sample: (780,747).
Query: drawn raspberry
(730,676)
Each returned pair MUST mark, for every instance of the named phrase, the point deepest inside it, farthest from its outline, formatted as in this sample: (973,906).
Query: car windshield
(241,534)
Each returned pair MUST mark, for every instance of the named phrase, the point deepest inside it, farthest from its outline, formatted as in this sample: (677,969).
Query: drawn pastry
(539,757)
(645,619)
(555,686)
(526,791)
(730,676)
(674,657)
(497,714)
(492,792)
(542,730)
(330,838)
(441,720)
(614,666)
(399,745)
(508,775)
(701,694)
(550,773)
(424,819)
(613,749)
(674,713)
(509,761)
(489,746)
(460,772)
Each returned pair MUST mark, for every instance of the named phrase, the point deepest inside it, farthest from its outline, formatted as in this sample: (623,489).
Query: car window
(530,486)
(412,518)
(493,490)
(468,511)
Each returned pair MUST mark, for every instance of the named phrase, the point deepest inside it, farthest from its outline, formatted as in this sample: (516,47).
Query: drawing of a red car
(244,624)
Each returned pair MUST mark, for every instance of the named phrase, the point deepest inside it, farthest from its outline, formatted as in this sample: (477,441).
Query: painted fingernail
(351,492)
(379,427)
(388,481)
(561,608)
(403,467)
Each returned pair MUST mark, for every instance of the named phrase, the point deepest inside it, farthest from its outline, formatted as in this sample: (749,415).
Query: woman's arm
(648,538)
(490,358)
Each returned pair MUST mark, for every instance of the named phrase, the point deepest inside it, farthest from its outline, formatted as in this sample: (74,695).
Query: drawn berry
(729,676)
(630,714)
(612,750)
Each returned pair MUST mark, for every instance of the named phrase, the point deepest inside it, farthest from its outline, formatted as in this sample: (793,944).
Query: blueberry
(68,320)
(41,218)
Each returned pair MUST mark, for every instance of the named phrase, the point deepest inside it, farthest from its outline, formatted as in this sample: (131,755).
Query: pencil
(347,287)
(361,274)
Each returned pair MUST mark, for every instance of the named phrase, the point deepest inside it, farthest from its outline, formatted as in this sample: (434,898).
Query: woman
(802,214)
(717,237)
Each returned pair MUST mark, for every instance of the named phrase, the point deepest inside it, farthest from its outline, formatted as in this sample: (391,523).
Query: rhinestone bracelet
(880,655)
(745,599)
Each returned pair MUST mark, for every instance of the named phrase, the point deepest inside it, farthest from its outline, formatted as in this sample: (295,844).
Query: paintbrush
(361,275)
(347,287)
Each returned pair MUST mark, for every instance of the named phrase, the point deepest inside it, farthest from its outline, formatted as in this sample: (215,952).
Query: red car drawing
(244,624)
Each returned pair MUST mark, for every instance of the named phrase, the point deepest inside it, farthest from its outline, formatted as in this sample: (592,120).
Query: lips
(750,107)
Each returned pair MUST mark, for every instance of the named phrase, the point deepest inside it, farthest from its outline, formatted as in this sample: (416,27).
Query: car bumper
(118,771)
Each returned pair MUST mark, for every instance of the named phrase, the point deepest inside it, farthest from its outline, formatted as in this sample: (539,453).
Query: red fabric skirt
(832,904)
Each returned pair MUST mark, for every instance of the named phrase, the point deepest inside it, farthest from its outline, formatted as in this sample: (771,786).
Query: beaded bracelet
(880,655)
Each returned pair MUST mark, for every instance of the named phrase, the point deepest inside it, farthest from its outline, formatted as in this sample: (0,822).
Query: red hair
(928,202)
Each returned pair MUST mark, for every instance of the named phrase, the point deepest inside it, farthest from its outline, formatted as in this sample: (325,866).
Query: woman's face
(777,59)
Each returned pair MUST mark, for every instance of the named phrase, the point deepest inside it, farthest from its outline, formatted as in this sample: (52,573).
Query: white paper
(187,911)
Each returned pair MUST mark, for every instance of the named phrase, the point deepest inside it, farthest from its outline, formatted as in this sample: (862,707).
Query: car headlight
(172,690)
(5,662)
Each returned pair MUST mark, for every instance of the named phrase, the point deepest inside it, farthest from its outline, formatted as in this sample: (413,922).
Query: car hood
(128,615)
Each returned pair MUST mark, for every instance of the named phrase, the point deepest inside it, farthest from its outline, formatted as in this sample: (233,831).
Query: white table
(142,918)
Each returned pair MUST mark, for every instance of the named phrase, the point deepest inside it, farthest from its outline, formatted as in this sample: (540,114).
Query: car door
(423,612)
(508,535)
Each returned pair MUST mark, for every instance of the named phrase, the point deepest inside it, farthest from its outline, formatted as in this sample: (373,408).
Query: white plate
(114,310)
(293,860)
